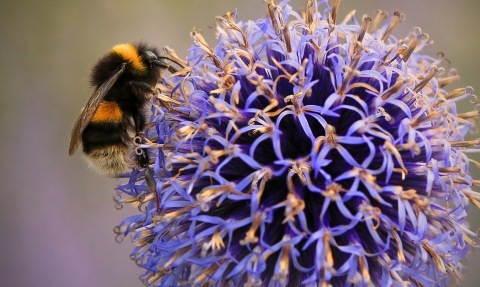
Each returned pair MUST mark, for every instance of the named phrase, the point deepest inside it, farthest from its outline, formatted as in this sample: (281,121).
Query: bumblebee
(124,80)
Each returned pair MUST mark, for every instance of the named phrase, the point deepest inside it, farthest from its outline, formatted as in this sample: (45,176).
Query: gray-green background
(56,217)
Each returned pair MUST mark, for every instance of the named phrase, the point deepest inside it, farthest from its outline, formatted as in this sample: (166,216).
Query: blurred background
(56,217)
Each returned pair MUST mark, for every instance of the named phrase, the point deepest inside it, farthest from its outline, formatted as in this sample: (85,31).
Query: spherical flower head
(305,150)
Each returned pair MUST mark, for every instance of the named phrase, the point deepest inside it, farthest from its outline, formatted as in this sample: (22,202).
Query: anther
(378,18)
(400,51)
(432,116)
(422,83)
(350,73)
(382,113)
(200,42)
(335,5)
(310,11)
(230,25)
(469,115)
(394,89)
(366,23)
(412,45)
(170,52)
(396,18)
(330,134)
(399,44)
(452,77)
(286,35)
(275,13)
(455,93)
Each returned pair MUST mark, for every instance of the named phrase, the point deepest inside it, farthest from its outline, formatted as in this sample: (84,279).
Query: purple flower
(305,151)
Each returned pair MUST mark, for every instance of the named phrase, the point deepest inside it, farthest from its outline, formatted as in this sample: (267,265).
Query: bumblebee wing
(90,109)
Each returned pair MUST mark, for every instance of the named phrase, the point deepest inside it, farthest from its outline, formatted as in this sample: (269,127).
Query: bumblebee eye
(150,56)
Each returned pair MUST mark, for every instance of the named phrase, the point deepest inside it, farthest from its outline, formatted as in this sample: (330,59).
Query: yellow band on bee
(107,112)
(130,54)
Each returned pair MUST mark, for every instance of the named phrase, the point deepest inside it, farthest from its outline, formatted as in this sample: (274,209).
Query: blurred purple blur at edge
(56,217)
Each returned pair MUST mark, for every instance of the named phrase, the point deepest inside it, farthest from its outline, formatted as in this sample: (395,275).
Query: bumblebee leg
(143,161)
(141,153)
(152,185)
(140,89)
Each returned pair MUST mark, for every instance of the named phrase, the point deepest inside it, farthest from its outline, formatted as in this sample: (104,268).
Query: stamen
(280,66)
(378,18)
(333,191)
(284,261)
(455,169)
(177,254)
(171,53)
(410,145)
(412,196)
(362,85)
(422,83)
(400,254)
(146,237)
(264,175)
(363,268)
(396,18)
(437,259)
(429,117)
(455,93)
(350,73)
(208,272)
(286,34)
(168,216)
(349,16)
(310,12)
(294,99)
(294,206)
(382,113)
(399,52)
(469,115)
(391,148)
(335,5)
(418,284)
(474,198)
(275,13)
(364,28)
(210,192)
(328,249)
(230,25)
(452,77)
(200,42)
(413,45)
(394,89)
(330,135)
(250,235)
(166,101)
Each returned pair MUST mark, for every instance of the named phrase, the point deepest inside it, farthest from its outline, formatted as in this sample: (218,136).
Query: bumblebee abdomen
(108,112)
(111,160)
(105,140)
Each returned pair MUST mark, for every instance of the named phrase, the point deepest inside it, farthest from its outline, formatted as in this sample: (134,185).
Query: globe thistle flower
(305,150)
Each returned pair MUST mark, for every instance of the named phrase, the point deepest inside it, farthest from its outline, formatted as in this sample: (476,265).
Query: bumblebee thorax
(130,54)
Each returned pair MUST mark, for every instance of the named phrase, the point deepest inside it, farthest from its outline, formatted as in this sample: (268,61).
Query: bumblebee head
(141,61)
